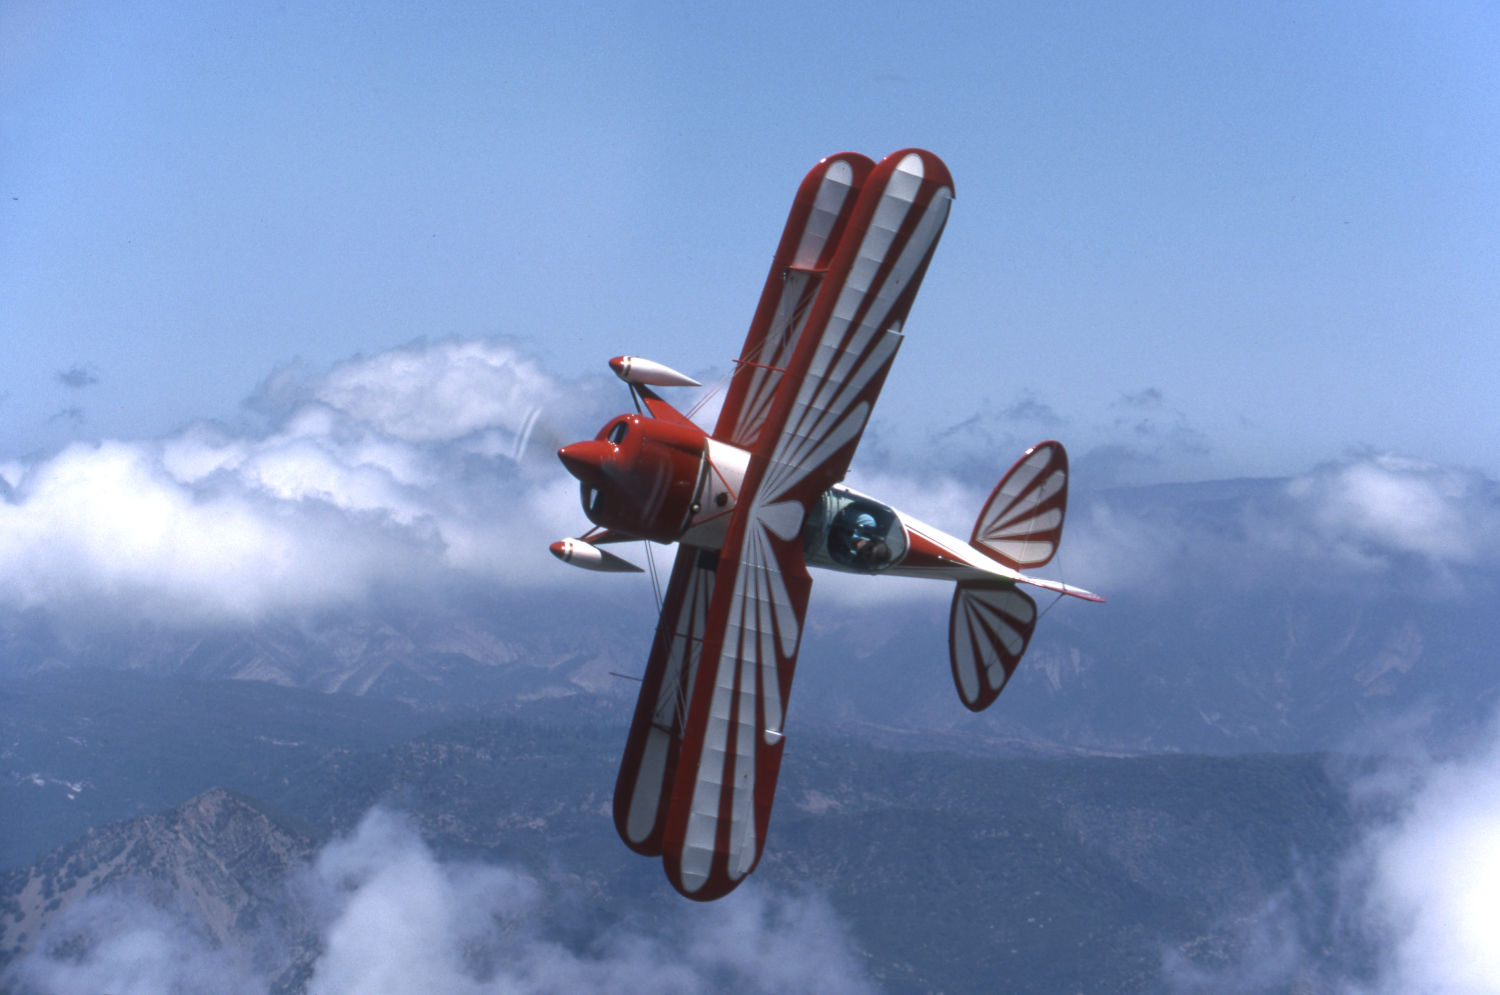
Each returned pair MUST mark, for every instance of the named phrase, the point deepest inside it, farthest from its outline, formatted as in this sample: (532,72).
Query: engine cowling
(649,478)
(639,475)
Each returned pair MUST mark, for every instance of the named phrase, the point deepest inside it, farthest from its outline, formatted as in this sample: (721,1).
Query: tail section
(989,628)
(990,624)
(1021,524)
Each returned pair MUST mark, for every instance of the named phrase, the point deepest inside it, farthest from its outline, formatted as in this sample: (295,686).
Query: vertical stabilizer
(1021,524)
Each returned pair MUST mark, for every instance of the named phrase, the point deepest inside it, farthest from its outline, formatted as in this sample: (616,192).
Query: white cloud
(393,918)
(1383,505)
(413,467)
(109,525)
(1411,909)
(1434,880)
(1341,523)
(430,393)
(122,944)
(400,920)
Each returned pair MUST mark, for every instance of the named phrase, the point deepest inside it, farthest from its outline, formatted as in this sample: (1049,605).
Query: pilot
(855,540)
(871,554)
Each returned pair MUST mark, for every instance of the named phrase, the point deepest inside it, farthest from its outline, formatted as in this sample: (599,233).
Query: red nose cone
(586,460)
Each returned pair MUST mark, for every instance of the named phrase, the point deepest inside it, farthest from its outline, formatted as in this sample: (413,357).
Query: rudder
(1022,522)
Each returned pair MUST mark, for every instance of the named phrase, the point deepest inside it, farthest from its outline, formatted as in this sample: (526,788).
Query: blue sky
(1255,237)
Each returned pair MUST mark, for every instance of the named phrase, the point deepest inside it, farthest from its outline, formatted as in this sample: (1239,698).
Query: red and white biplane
(758,500)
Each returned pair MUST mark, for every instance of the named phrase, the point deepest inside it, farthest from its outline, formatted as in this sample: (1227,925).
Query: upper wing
(803,422)
(813,230)
(650,758)
(854,328)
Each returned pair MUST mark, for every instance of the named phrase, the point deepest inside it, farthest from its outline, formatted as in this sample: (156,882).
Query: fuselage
(645,478)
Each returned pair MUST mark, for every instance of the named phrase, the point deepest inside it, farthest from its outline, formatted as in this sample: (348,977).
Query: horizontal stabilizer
(1021,524)
(1061,588)
(989,628)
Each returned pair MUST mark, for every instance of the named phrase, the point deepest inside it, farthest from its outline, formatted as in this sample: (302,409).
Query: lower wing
(725,776)
(650,758)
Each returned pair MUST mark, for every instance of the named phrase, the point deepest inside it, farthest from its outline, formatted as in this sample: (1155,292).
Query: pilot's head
(872,554)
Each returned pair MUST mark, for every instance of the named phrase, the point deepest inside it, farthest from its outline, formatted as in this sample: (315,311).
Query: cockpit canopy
(851,532)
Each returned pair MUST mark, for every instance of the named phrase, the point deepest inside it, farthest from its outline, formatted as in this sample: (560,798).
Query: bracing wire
(655,580)
(709,394)
(1049,607)
(757,356)
(1062,576)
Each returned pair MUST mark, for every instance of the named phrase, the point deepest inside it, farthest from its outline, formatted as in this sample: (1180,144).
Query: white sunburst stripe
(830,370)
(687,642)
(813,433)
(766,669)
(929,226)
(1023,475)
(1015,524)
(1033,530)
(823,418)
(896,201)
(747,684)
(987,616)
(775,353)
(964,656)
(875,246)
(783,475)
(1029,492)
(741,778)
(828,207)
(1026,516)
(1027,519)
(701,832)
(834,355)
(740,662)
(645,796)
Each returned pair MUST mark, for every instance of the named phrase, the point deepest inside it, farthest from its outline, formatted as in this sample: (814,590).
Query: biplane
(757,501)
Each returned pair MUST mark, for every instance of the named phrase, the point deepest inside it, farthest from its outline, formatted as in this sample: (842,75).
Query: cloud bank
(1413,907)
(394,918)
(1376,518)
(430,466)
(419,466)
(1432,879)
